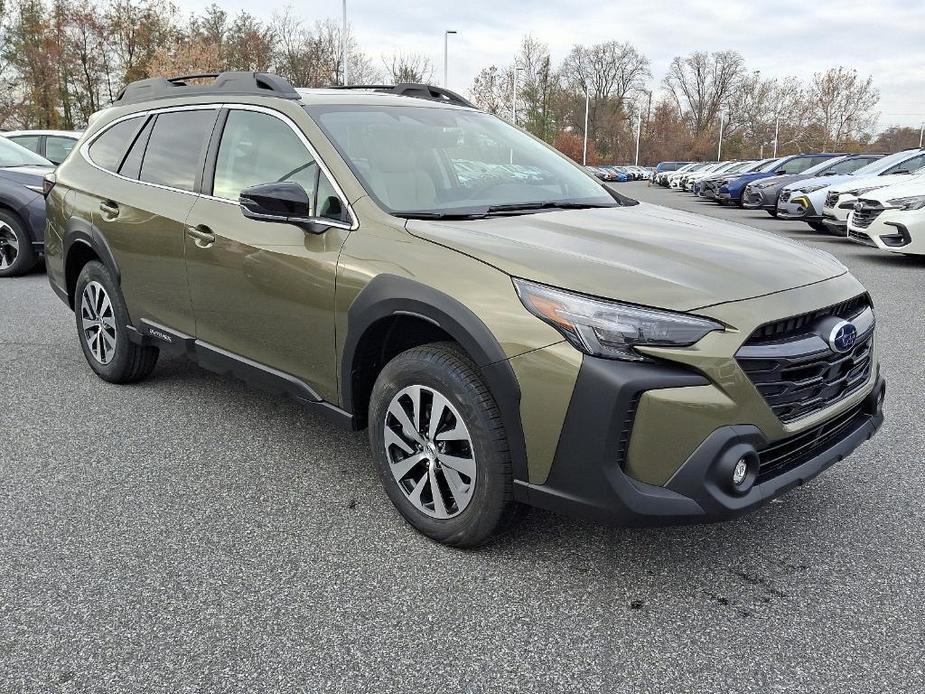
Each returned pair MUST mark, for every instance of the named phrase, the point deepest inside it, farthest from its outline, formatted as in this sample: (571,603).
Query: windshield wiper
(440,215)
(527,207)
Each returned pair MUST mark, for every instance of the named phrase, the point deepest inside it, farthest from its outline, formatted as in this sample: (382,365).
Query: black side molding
(223,362)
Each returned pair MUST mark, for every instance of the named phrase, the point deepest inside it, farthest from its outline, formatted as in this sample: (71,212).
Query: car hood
(909,187)
(642,254)
(815,181)
(868,181)
(779,181)
(26,175)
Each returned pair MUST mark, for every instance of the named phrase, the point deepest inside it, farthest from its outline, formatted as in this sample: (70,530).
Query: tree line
(680,115)
(62,60)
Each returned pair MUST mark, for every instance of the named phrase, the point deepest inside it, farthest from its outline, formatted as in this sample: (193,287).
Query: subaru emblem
(843,337)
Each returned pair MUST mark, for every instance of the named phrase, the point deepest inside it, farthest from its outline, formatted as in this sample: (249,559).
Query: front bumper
(894,231)
(798,207)
(588,478)
(755,199)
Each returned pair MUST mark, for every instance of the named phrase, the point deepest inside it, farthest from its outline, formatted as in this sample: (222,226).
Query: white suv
(840,197)
(891,218)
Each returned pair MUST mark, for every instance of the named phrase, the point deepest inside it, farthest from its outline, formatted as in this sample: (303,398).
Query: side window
(109,148)
(176,147)
(30,142)
(131,167)
(260,148)
(908,166)
(57,148)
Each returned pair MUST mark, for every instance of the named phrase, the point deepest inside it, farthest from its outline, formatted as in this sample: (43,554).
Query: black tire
(773,213)
(18,248)
(818,226)
(129,362)
(444,368)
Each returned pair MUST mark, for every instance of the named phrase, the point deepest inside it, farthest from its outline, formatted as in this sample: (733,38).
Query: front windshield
(770,166)
(419,159)
(12,154)
(875,167)
(740,166)
(850,165)
(824,166)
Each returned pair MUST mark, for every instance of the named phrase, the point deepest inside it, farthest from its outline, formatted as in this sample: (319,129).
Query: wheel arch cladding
(389,304)
(83,243)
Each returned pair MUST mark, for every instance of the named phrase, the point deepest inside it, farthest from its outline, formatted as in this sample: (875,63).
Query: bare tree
(409,67)
(701,83)
(842,103)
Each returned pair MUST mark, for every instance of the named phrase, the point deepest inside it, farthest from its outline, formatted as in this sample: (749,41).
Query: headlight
(915,202)
(857,192)
(607,328)
(811,189)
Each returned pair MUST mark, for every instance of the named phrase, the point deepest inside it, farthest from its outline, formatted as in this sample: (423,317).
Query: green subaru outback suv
(510,331)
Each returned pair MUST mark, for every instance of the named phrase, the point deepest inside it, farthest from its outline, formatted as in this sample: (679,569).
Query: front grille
(865,213)
(797,373)
(831,199)
(797,325)
(861,237)
(784,455)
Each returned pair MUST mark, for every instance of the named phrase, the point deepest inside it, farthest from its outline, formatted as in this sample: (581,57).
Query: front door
(265,290)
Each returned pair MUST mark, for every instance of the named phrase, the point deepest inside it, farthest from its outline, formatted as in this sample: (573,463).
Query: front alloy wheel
(430,452)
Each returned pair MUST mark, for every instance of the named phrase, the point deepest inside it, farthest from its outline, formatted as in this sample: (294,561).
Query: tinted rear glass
(175,150)
(109,148)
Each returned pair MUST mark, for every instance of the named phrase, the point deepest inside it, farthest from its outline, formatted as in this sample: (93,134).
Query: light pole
(446,48)
(922,134)
(343,41)
(514,96)
(719,149)
(638,135)
(776,133)
(584,156)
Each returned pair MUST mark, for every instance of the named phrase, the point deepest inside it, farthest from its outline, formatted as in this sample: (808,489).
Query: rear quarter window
(108,149)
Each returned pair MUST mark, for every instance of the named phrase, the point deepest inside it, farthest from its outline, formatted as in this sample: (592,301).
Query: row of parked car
(874,199)
(613,173)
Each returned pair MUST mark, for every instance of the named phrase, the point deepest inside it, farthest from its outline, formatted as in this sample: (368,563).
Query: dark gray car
(22,208)
(763,194)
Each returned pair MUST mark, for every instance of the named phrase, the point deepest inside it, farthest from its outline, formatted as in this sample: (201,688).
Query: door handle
(109,209)
(202,235)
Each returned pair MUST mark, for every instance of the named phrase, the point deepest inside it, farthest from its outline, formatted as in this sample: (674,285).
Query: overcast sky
(882,38)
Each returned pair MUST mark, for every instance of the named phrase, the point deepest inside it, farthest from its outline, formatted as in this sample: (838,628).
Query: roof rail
(415,90)
(239,83)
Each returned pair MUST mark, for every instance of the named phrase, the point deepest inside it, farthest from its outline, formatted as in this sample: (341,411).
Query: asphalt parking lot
(187,534)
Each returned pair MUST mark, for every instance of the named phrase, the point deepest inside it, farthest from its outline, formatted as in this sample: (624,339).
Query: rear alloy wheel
(440,447)
(101,328)
(99,322)
(16,254)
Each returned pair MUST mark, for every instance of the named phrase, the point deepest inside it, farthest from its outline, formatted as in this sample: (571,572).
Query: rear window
(176,148)
(109,148)
(57,148)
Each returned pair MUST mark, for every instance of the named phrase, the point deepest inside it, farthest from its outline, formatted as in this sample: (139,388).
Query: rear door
(265,290)
(153,167)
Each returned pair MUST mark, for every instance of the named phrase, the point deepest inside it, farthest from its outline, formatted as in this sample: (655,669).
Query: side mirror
(284,201)
(779,172)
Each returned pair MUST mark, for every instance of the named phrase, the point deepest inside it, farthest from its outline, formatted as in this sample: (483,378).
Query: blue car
(22,208)
(731,190)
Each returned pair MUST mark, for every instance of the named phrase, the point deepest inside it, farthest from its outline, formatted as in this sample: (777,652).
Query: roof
(75,134)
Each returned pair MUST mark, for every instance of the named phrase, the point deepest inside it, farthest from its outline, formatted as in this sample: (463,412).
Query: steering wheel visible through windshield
(434,161)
